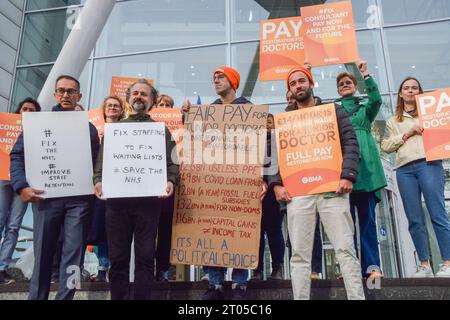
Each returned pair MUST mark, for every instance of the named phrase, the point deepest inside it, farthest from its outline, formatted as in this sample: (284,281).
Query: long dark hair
(401,103)
(28,100)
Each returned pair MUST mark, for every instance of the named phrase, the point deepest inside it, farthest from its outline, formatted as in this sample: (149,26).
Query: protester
(226,82)
(134,218)
(371,179)
(113,111)
(333,208)
(271,223)
(51,215)
(12,209)
(417,177)
(165,222)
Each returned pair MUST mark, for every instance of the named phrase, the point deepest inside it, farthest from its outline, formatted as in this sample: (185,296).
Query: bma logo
(306,180)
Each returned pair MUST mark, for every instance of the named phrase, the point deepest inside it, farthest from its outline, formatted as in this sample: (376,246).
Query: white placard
(58,156)
(134,160)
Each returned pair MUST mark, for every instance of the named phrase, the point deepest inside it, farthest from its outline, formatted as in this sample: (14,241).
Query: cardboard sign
(172,118)
(218,211)
(329,34)
(97,118)
(58,153)
(281,47)
(134,160)
(434,116)
(10,129)
(309,150)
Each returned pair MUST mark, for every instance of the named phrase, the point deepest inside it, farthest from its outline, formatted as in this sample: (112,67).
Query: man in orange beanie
(226,82)
(333,208)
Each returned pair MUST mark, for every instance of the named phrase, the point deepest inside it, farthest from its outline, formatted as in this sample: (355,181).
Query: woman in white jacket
(416,176)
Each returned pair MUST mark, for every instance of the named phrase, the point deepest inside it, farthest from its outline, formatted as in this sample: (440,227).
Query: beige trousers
(335,216)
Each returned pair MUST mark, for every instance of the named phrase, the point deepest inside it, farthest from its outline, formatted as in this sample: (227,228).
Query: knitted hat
(232,75)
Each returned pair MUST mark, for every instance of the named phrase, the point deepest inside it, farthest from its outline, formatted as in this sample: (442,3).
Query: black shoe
(257,276)
(277,272)
(162,276)
(213,294)
(100,277)
(239,293)
(5,278)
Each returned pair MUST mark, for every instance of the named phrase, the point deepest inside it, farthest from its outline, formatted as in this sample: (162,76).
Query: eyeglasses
(70,92)
(345,83)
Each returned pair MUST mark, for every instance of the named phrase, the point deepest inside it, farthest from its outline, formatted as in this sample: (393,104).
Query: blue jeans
(217,276)
(364,204)
(101,251)
(12,210)
(271,222)
(427,178)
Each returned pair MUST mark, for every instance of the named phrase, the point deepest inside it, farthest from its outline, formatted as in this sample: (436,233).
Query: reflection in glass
(144,25)
(420,51)
(401,11)
(44,4)
(179,74)
(29,82)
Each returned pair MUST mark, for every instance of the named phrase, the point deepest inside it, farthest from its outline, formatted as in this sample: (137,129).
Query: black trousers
(165,235)
(125,218)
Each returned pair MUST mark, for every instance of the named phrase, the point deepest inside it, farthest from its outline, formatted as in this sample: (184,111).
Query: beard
(300,99)
(139,106)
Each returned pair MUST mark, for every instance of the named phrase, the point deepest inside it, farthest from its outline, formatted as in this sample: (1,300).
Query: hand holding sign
(99,191)
(362,66)
(169,190)
(415,130)
(281,193)
(345,186)
(31,195)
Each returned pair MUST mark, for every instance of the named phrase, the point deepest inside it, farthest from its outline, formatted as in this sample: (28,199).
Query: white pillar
(78,46)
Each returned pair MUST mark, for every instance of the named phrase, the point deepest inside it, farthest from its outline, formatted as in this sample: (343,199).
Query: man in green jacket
(371,178)
(138,218)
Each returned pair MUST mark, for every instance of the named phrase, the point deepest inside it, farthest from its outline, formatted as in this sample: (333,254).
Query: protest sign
(218,210)
(134,160)
(329,34)
(10,129)
(309,150)
(58,153)
(434,116)
(98,120)
(281,47)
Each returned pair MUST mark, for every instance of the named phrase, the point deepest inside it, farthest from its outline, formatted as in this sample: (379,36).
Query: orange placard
(98,120)
(120,85)
(434,116)
(173,120)
(329,34)
(10,129)
(309,150)
(281,47)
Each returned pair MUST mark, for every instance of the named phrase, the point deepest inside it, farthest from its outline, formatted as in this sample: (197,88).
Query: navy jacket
(17,157)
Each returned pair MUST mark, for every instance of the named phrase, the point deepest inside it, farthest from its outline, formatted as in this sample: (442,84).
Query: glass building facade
(178,44)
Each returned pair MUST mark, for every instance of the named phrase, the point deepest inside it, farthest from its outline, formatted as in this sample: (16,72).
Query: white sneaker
(423,272)
(444,271)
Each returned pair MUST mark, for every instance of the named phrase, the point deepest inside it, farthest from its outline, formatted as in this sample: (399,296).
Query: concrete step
(391,289)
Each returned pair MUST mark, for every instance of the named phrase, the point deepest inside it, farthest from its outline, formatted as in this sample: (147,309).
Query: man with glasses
(50,216)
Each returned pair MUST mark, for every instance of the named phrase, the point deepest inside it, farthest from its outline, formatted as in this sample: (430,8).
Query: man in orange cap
(226,82)
(333,208)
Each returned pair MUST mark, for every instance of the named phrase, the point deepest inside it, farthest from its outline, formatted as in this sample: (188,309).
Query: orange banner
(281,47)
(309,150)
(434,116)
(120,85)
(329,34)
(10,129)
(98,120)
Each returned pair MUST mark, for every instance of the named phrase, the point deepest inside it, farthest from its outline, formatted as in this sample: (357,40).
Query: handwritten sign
(10,129)
(434,116)
(281,47)
(329,34)
(218,210)
(134,160)
(58,153)
(309,150)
